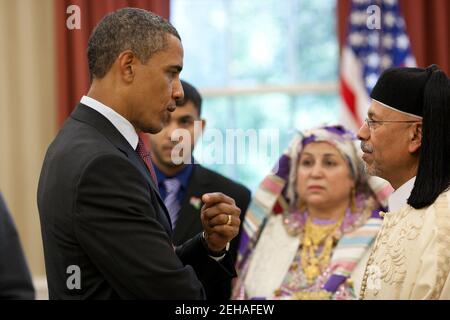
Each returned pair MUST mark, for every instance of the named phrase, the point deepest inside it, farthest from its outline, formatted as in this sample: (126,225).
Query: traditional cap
(402,89)
(424,93)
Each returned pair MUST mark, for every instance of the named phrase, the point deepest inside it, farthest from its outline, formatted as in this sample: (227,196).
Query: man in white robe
(406,140)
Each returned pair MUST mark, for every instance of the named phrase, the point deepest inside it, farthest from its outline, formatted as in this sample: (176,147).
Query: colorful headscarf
(277,192)
(344,141)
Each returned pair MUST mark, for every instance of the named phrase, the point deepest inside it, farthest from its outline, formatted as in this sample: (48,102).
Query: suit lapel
(137,161)
(189,214)
(104,126)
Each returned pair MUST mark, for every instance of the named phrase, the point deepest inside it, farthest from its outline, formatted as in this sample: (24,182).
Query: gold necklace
(315,235)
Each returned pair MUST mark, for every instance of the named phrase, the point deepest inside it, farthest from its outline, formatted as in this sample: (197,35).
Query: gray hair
(138,30)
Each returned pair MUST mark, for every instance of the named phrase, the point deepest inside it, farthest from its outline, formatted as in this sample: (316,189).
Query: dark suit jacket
(15,278)
(188,224)
(101,212)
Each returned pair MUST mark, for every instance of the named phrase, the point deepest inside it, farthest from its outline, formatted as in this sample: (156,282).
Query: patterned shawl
(277,192)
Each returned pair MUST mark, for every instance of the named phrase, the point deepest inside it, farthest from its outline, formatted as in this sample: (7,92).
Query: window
(260,65)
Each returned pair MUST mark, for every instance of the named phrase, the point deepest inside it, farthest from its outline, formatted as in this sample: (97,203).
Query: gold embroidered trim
(391,266)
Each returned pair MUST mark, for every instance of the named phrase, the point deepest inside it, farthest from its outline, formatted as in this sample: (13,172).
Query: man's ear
(415,137)
(126,62)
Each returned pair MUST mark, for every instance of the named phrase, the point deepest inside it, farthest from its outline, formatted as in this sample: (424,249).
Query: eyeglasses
(372,124)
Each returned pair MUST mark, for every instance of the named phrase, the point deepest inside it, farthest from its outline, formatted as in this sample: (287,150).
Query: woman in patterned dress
(312,221)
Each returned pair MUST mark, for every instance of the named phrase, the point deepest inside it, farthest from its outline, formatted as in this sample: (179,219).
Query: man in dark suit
(105,229)
(15,278)
(188,181)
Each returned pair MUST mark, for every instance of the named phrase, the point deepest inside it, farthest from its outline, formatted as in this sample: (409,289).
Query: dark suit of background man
(189,181)
(15,278)
(105,229)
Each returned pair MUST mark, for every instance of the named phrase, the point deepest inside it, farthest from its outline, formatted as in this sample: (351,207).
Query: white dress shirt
(124,126)
(399,197)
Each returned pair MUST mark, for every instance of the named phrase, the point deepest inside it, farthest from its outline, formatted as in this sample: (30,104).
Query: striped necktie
(172,186)
(147,158)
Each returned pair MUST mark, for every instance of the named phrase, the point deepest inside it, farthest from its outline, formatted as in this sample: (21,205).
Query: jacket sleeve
(243,197)
(210,272)
(15,278)
(116,224)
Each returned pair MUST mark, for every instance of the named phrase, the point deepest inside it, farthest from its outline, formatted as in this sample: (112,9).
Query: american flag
(376,40)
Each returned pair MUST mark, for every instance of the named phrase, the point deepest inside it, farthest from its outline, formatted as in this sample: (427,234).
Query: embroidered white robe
(411,256)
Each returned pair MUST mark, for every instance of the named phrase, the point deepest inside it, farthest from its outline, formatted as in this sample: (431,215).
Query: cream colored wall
(27,112)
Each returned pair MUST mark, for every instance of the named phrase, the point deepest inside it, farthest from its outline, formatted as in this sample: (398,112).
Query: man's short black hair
(138,30)
(191,94)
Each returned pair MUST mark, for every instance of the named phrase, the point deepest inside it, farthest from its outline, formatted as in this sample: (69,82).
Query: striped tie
(147,158)
(172,186)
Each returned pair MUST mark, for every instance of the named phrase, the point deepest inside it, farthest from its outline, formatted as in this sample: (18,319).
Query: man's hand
(220,220)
